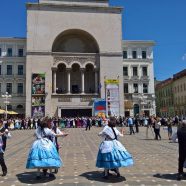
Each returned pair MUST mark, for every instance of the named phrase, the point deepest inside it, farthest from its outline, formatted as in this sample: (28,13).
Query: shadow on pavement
(30,178)
(98,176)
(168,176)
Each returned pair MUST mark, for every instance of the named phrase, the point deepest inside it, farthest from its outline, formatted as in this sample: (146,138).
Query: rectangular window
(0,52)
(20,88)
(144,54)
(145,88)
(9,69)
(0,88)
(144,71)
(125,71)
(0,70)
(9,88)
(135,71)
(20,70)
(9,52)
(135,87)
(126,88)
(20,52)
(125,55)
(134,54)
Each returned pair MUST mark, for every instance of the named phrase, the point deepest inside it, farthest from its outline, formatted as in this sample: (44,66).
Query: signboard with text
(112,97)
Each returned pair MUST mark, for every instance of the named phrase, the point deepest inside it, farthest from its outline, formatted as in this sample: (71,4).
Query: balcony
(75,97)
(135,78)
(145,78)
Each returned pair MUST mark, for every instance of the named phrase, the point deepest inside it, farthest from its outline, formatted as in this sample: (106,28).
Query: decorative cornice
(49,6)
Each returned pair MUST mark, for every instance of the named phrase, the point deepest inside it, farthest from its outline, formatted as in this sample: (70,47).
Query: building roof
(179,74)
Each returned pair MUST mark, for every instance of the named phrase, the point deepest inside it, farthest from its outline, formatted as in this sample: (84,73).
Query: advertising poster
(100,108)
(112,97)
(38,95)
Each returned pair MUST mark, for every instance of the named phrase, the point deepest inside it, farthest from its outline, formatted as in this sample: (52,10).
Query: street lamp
(6,96)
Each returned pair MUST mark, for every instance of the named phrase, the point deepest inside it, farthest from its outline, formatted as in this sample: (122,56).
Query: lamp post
(6,96)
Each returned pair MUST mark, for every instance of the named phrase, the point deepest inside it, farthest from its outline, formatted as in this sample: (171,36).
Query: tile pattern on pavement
(155,161)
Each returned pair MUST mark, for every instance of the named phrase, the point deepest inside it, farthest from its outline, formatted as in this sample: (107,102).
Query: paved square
(155,161)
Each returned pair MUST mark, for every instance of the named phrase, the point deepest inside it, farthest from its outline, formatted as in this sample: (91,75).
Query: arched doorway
(136,109)
(76,86)
(89,79)
(61,79)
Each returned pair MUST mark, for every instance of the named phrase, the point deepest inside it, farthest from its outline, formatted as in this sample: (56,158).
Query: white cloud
(184,57)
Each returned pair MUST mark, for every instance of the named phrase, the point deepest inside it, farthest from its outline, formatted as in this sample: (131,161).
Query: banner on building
(112,97)
(38,95)
(100,108)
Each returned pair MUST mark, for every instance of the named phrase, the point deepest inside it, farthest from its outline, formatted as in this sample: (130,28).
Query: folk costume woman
(43,153)
(112,154)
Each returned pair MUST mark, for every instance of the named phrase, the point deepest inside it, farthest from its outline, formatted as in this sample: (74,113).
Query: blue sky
(163,21)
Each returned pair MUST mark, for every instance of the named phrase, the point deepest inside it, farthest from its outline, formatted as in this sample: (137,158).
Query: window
(144,54)
(0,69)
(135,71)
(0,52)
(20,52)
(134,54)
(20,88)
(144,71)
(9,52)
(20,70)
(126,88)
(19,107)
(125,71)
(9,107)
(135,87)
(9,69)
(0,88)
(9,88)
(145,88)
(124,54)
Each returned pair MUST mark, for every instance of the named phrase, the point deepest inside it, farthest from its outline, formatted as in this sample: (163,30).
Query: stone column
(83,81)
(68,76)
(54,80)
(96,81)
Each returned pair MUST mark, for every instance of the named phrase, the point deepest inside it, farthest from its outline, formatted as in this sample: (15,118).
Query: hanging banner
(38,95)
(100,108)
(112,97)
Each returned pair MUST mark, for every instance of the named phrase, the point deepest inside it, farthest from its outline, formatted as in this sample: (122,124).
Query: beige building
(12,73)
(74,48)
(165,98)
(171,96)
(138,78)
(179,91)
(76,44)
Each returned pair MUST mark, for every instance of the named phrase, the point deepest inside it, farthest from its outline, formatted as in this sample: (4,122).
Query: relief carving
(70,59)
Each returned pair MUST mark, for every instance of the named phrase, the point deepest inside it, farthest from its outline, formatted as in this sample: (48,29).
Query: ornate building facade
(72,49)
(12,73)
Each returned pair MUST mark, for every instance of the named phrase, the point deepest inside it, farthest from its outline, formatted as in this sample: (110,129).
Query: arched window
(19,106)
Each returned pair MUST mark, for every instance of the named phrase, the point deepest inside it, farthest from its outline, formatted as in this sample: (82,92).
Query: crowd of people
(44,153)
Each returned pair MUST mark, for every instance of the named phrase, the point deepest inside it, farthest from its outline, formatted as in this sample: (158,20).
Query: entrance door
(136,109)
(76,112)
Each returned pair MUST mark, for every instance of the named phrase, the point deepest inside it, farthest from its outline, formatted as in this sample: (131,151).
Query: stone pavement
(155,161)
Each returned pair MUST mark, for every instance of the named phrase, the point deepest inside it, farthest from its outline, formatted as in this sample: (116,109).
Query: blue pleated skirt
(43,154)
(112,154)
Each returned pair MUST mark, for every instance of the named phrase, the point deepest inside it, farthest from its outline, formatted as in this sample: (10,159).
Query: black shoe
(44,172)
(38,177)
(51,175)
(56,171)
(4,173)
(180,177)
(118,175)
(105,177)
